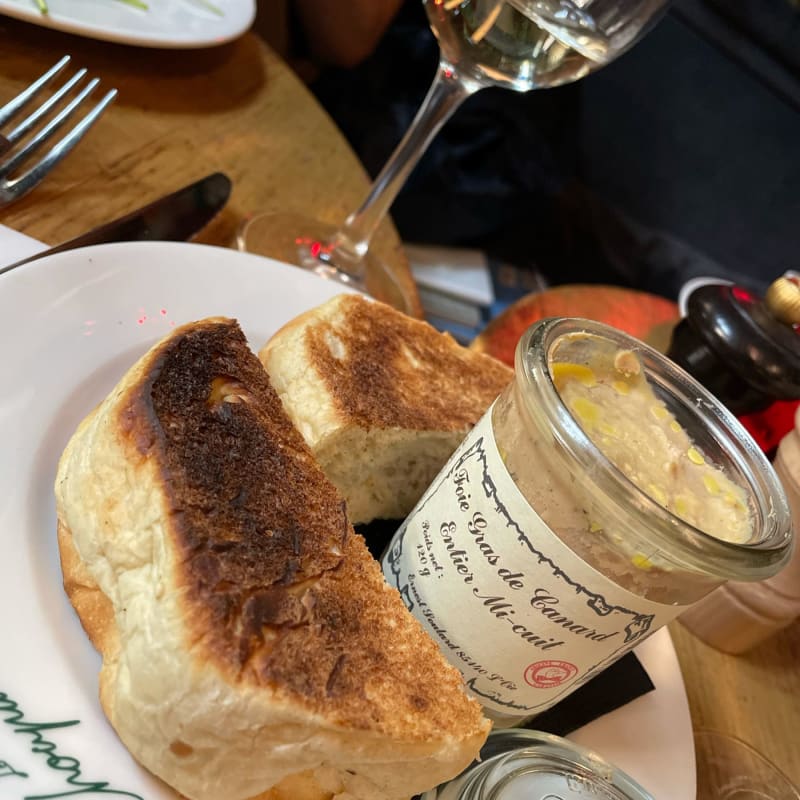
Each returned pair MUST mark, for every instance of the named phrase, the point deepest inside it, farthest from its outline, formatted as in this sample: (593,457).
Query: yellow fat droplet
(594,527)
(711,484)
(565,371)
(675,425)
(641,561)
(659,412)
(621,387)
(608,430)
(586,411)
(681,506)
(732,500)
(657,493)
(694,456)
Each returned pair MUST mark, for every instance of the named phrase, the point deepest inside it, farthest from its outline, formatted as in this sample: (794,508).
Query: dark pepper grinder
(742,348)
(747,351)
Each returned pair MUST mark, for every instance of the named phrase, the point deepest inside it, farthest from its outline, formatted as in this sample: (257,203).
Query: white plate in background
(179,24)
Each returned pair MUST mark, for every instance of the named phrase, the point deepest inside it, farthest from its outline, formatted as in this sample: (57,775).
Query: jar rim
(518,752)
(696,549)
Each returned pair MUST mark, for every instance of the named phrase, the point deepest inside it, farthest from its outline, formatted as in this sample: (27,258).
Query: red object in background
(645,316)
(769,426)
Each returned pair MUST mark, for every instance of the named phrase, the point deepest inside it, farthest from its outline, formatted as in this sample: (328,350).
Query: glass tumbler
(522,764)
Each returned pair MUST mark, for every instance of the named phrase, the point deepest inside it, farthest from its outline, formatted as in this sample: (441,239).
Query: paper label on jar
(517,611)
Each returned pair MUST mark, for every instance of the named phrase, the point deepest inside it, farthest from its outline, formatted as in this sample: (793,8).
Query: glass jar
(535,562)
(522,764)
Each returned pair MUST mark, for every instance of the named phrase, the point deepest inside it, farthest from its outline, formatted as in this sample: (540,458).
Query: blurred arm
(345,32)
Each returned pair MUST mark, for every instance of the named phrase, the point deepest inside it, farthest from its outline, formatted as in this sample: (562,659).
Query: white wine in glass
(517,44)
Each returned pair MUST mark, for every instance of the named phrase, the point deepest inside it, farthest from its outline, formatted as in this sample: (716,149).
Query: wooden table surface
(181,115)
(239,109)
(754,696)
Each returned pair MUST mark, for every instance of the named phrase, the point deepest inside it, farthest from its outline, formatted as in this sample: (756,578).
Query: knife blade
(172,218)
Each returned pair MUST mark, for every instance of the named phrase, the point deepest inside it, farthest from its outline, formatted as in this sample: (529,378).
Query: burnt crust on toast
(276,588)
(387,362)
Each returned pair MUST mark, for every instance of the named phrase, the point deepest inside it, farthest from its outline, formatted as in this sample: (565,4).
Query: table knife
(173,218)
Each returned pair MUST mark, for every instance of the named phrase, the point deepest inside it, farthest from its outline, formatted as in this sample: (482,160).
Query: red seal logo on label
(549,674)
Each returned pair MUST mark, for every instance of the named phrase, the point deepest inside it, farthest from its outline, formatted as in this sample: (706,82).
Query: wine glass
(730,769)
(517,44)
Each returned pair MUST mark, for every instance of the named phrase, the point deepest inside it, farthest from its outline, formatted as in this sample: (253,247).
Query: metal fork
(13,188)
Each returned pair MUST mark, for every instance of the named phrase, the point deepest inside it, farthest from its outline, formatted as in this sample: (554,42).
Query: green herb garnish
(43,8)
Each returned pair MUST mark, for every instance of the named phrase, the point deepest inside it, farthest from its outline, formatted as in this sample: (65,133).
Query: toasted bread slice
(382,399)
(248,637)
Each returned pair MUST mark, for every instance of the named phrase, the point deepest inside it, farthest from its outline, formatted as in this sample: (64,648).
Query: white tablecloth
(15,246)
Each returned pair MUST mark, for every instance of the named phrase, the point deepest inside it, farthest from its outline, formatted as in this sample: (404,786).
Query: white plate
(651,737)
(70,326)
(166,23)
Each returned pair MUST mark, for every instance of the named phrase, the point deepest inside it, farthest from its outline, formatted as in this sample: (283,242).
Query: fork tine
(11,108)
(42,110)
(48,130)
(27,181)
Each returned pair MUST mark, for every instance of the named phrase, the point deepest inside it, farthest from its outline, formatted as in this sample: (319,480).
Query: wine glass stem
(350,243)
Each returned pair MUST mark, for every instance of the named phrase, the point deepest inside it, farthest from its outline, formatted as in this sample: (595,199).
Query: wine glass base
(730,769)
(303,242)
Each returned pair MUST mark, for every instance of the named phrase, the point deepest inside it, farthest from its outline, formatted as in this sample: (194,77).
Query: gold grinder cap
(783,300)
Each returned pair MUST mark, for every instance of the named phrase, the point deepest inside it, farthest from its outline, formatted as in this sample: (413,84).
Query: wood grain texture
(180,115)
(754,696)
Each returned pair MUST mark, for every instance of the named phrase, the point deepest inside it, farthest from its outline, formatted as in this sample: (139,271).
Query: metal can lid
(523,764)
